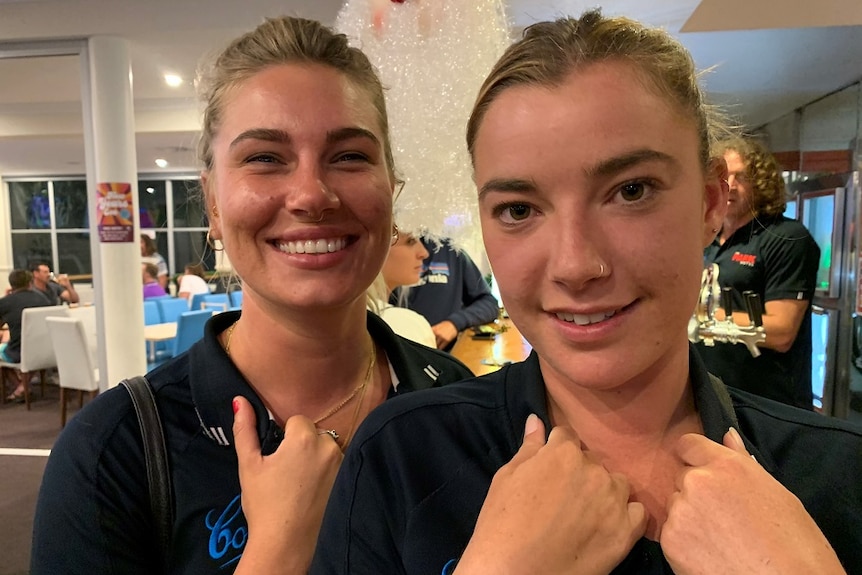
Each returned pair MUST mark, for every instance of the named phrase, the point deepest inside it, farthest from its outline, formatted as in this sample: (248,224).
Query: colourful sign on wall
(115,212)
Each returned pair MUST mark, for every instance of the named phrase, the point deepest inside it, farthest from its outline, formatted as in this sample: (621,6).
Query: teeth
(313,246)
(585,319)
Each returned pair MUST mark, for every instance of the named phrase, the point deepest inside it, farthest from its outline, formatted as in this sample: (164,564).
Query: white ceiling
(767,57)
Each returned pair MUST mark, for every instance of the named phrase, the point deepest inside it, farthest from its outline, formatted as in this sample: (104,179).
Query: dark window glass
(191,248)
(28,202)
(153,205)
(73,250)
(31,248)
(70,204)
(188,204)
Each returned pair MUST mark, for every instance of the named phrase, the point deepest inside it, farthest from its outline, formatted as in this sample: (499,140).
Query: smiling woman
(297,179)
(611,448)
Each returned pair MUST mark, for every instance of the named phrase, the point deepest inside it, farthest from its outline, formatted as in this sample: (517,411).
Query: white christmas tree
(432,56)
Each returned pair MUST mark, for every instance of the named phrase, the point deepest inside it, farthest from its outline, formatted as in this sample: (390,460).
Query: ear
(714,199)
(209,203)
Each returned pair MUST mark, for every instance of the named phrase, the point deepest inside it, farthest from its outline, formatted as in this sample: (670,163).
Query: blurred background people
(150,255)
(152,288)
(192,282)
(759,249)
(12,306)
(403,267)
(56,292)
(452,294)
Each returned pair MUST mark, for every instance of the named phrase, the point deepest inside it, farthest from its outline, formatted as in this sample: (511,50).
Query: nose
(421,252)
(731,181)
(308,196)
(575,257)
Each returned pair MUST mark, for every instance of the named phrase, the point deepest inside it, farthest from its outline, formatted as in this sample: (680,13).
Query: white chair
(74,362)
(37,352)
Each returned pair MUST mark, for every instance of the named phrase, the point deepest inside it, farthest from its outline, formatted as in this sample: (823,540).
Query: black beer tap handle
(754,307)
(727,302)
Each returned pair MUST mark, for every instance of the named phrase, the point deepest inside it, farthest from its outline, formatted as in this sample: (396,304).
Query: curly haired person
(761,250)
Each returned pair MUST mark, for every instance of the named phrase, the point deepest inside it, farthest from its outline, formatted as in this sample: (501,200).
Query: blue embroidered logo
(228,533)
(449,567)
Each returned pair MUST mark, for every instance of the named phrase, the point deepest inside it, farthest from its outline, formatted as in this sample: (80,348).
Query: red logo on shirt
(744,259)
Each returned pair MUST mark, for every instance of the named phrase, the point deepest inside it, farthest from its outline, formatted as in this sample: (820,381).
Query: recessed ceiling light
(161,162)
(173,80)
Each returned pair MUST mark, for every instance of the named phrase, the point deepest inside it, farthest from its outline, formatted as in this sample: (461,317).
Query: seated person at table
(152,287)
(12,307)
(452,294)
(402,268)
(56,292)
(150,255)
(611,449)
(192,282)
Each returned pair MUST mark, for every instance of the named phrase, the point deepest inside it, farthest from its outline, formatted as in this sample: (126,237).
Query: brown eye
(518,212)
(632,191)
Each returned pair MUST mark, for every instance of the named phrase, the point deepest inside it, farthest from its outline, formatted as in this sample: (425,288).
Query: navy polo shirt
(93,515)
(398,507)
(777,259)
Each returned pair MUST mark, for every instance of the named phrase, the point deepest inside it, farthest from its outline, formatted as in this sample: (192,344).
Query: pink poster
(115,213)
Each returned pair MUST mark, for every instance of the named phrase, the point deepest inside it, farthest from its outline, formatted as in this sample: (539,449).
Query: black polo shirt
(399,507)
(777,259)
(93,516)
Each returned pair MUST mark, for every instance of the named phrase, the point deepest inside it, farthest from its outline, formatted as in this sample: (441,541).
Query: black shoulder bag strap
(156,455)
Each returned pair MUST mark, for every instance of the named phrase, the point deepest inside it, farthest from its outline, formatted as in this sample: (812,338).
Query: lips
(585,319)
(319,246)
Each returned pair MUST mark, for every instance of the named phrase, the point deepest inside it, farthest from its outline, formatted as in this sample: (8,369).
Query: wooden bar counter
(488,355)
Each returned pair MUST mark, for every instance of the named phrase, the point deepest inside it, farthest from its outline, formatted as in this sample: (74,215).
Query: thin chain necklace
(229,336)
(335,409)
(361,387)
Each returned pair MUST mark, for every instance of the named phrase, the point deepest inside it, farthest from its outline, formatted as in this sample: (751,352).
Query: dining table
(491,346)
(157,332)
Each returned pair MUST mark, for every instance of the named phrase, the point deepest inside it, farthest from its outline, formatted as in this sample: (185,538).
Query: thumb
(534,439)
(733,441)
(245,438)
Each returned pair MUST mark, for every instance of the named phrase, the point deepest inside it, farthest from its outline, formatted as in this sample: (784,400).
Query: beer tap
(706,328)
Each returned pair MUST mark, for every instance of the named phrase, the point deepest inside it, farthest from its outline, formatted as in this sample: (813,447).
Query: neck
(301,364)
(634,413)
(731,225)
(40,284)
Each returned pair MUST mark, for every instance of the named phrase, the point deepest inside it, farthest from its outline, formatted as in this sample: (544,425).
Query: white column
(111,159)
(5,237)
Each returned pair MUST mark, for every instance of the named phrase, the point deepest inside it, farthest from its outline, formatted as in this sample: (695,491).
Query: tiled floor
(26,438)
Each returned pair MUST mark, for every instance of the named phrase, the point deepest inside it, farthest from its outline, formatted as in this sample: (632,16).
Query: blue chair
(215,302)
(171,308)
(236,298)
(152,314)
(190,328)
(197,299)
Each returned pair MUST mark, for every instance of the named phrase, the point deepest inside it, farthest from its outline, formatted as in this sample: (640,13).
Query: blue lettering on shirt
(449,567)
(228,532)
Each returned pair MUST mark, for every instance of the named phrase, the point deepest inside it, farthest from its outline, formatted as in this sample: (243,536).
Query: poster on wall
(115,212)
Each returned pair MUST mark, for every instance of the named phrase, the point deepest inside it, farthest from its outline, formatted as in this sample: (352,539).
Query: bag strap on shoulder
(156,455)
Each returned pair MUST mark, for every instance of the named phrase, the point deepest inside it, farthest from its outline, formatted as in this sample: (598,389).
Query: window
(49,222)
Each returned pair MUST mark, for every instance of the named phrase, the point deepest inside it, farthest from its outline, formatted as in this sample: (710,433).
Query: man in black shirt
(12,307)
(758,249)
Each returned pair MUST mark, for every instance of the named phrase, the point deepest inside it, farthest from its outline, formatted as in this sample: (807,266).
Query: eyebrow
(604,168)
(625,161)
(283,137)
(507,185)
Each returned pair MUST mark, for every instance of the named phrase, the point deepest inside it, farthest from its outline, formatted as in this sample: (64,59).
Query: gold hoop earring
(211,243)
(395,235)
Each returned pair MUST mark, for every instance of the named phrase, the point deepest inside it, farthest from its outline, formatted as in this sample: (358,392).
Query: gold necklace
(332,411)
(229,336)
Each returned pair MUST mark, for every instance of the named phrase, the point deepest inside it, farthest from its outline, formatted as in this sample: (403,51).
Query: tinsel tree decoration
(432,56)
